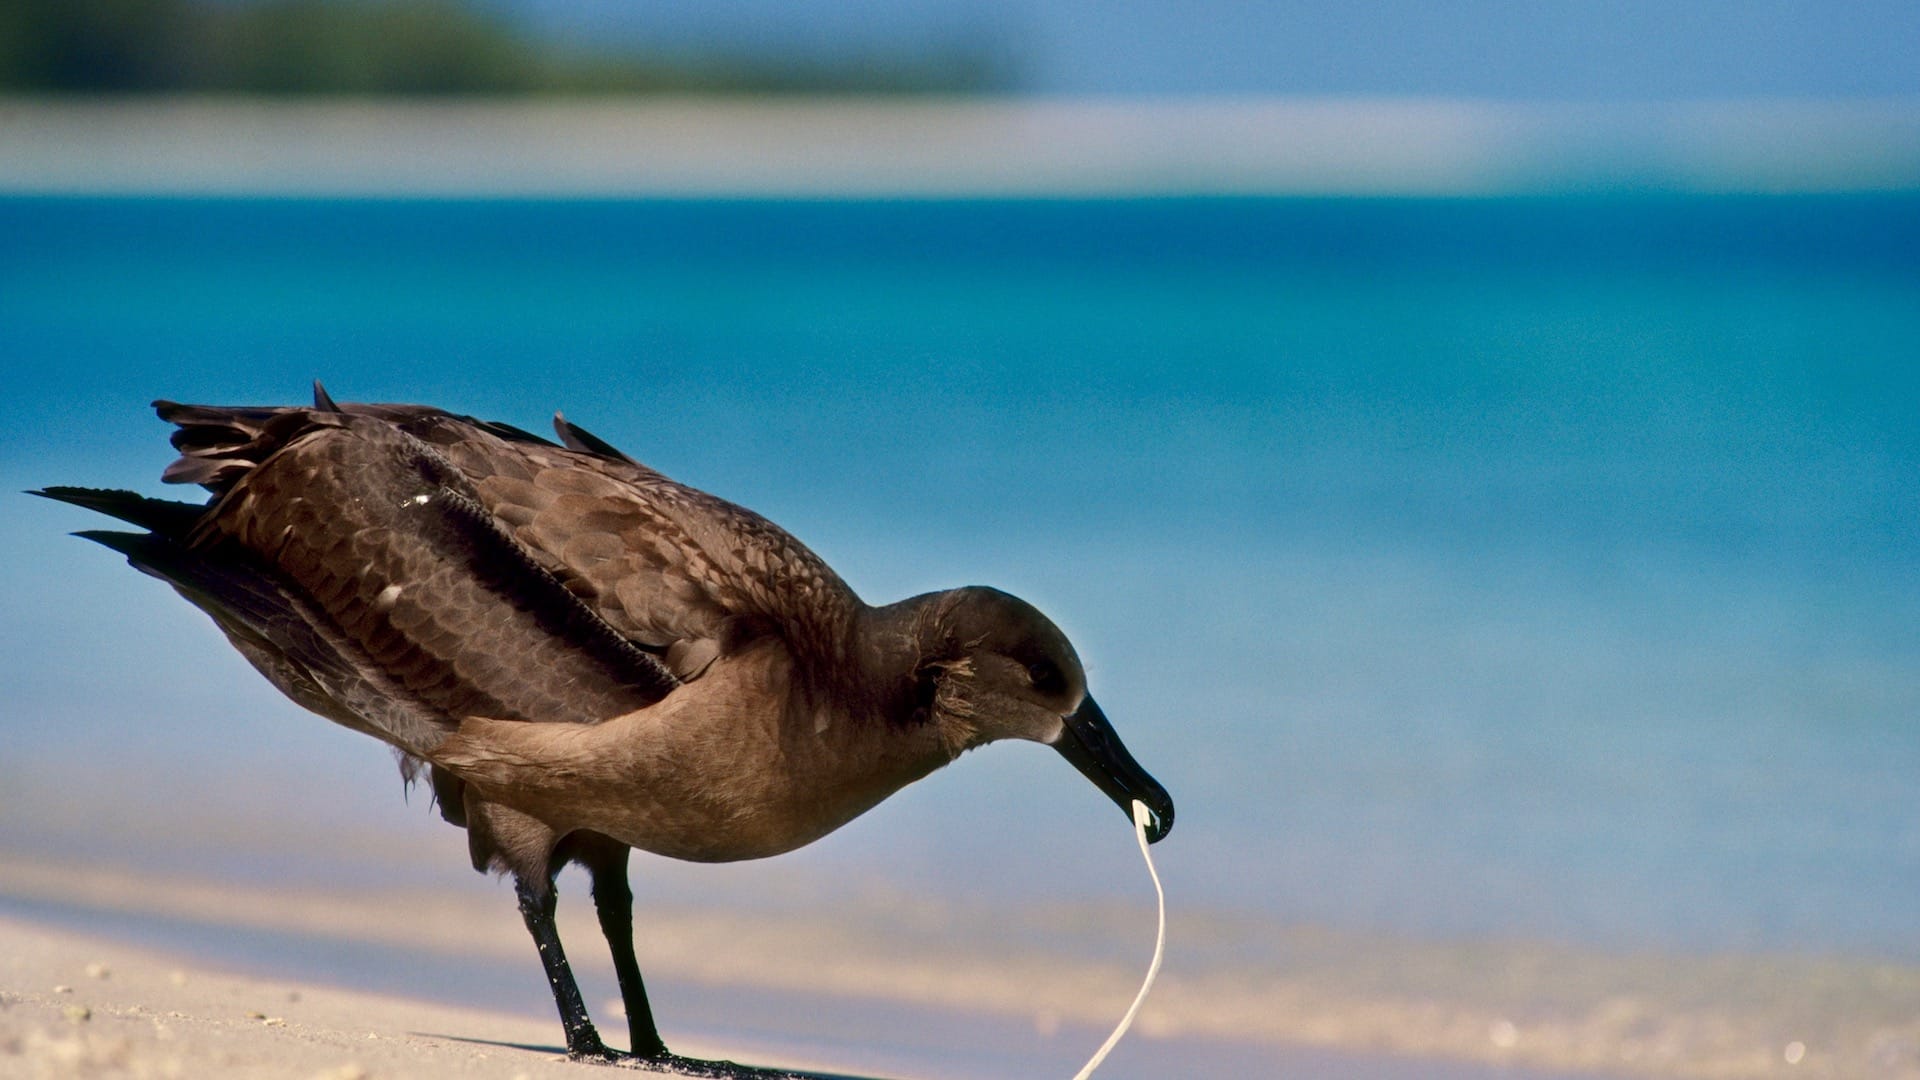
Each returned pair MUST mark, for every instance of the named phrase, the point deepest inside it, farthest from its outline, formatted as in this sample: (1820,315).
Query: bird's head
(993,667)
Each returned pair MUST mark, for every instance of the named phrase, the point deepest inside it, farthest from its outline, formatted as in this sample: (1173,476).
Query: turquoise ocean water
(1540,569)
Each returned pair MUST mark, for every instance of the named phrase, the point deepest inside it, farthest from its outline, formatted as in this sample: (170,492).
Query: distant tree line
(403,47)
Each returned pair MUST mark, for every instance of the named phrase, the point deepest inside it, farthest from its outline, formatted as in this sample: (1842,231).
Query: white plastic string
(1140,819)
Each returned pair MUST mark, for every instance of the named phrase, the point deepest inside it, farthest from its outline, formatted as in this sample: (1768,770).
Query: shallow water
(1473,569)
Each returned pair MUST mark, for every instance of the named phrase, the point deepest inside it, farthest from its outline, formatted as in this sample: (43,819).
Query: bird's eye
(1046,677)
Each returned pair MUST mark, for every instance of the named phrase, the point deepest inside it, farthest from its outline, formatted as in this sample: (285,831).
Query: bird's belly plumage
(729,767)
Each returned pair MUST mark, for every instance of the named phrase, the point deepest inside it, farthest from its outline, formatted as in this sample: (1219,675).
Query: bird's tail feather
(220,444)
(267,621)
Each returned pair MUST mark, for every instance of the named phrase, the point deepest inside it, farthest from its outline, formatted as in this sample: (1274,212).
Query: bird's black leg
(536,907)
(613,902)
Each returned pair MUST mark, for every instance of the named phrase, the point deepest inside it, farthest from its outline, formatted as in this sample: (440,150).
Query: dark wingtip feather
(132,545)
(163,516)
(322,401)
(508,431)
(78,496)
(579,438)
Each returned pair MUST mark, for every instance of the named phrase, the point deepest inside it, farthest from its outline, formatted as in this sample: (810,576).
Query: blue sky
(1580,50)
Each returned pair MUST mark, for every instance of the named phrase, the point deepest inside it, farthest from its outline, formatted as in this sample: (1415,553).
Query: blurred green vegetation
(406,47)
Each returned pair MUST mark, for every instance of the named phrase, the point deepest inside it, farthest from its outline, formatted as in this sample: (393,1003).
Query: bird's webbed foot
(702,1067)
(667,1063)
(584,1045)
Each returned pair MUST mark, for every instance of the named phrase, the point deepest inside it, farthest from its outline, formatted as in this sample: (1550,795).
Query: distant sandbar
(961,147)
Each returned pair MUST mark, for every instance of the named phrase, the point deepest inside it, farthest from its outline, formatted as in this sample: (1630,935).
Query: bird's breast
(735,765)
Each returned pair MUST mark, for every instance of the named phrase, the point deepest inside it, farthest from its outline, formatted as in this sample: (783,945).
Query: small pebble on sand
(98,971)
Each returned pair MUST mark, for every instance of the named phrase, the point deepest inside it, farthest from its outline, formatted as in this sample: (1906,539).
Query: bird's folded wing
(684,575)
(388,541)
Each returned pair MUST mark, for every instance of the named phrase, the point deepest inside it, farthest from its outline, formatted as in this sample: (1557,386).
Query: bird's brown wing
(684,575)
(488,572)
(378,541)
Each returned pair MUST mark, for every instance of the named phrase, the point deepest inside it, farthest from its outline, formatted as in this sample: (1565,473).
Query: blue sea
(1518,569)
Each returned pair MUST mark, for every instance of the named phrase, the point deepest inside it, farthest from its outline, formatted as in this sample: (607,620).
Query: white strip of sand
(917,147)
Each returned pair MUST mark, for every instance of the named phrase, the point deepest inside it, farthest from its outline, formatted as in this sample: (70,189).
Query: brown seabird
(583,656)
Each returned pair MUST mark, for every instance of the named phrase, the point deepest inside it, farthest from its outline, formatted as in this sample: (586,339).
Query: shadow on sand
(672,1066)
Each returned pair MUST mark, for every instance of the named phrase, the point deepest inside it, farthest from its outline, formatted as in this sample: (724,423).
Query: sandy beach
(75,1005)
(236,988)
(80,1006)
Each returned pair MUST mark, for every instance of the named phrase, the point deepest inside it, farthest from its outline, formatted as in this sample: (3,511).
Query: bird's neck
(890,646)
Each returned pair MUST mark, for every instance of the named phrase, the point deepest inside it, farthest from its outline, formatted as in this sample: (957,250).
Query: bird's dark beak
(1090,743)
